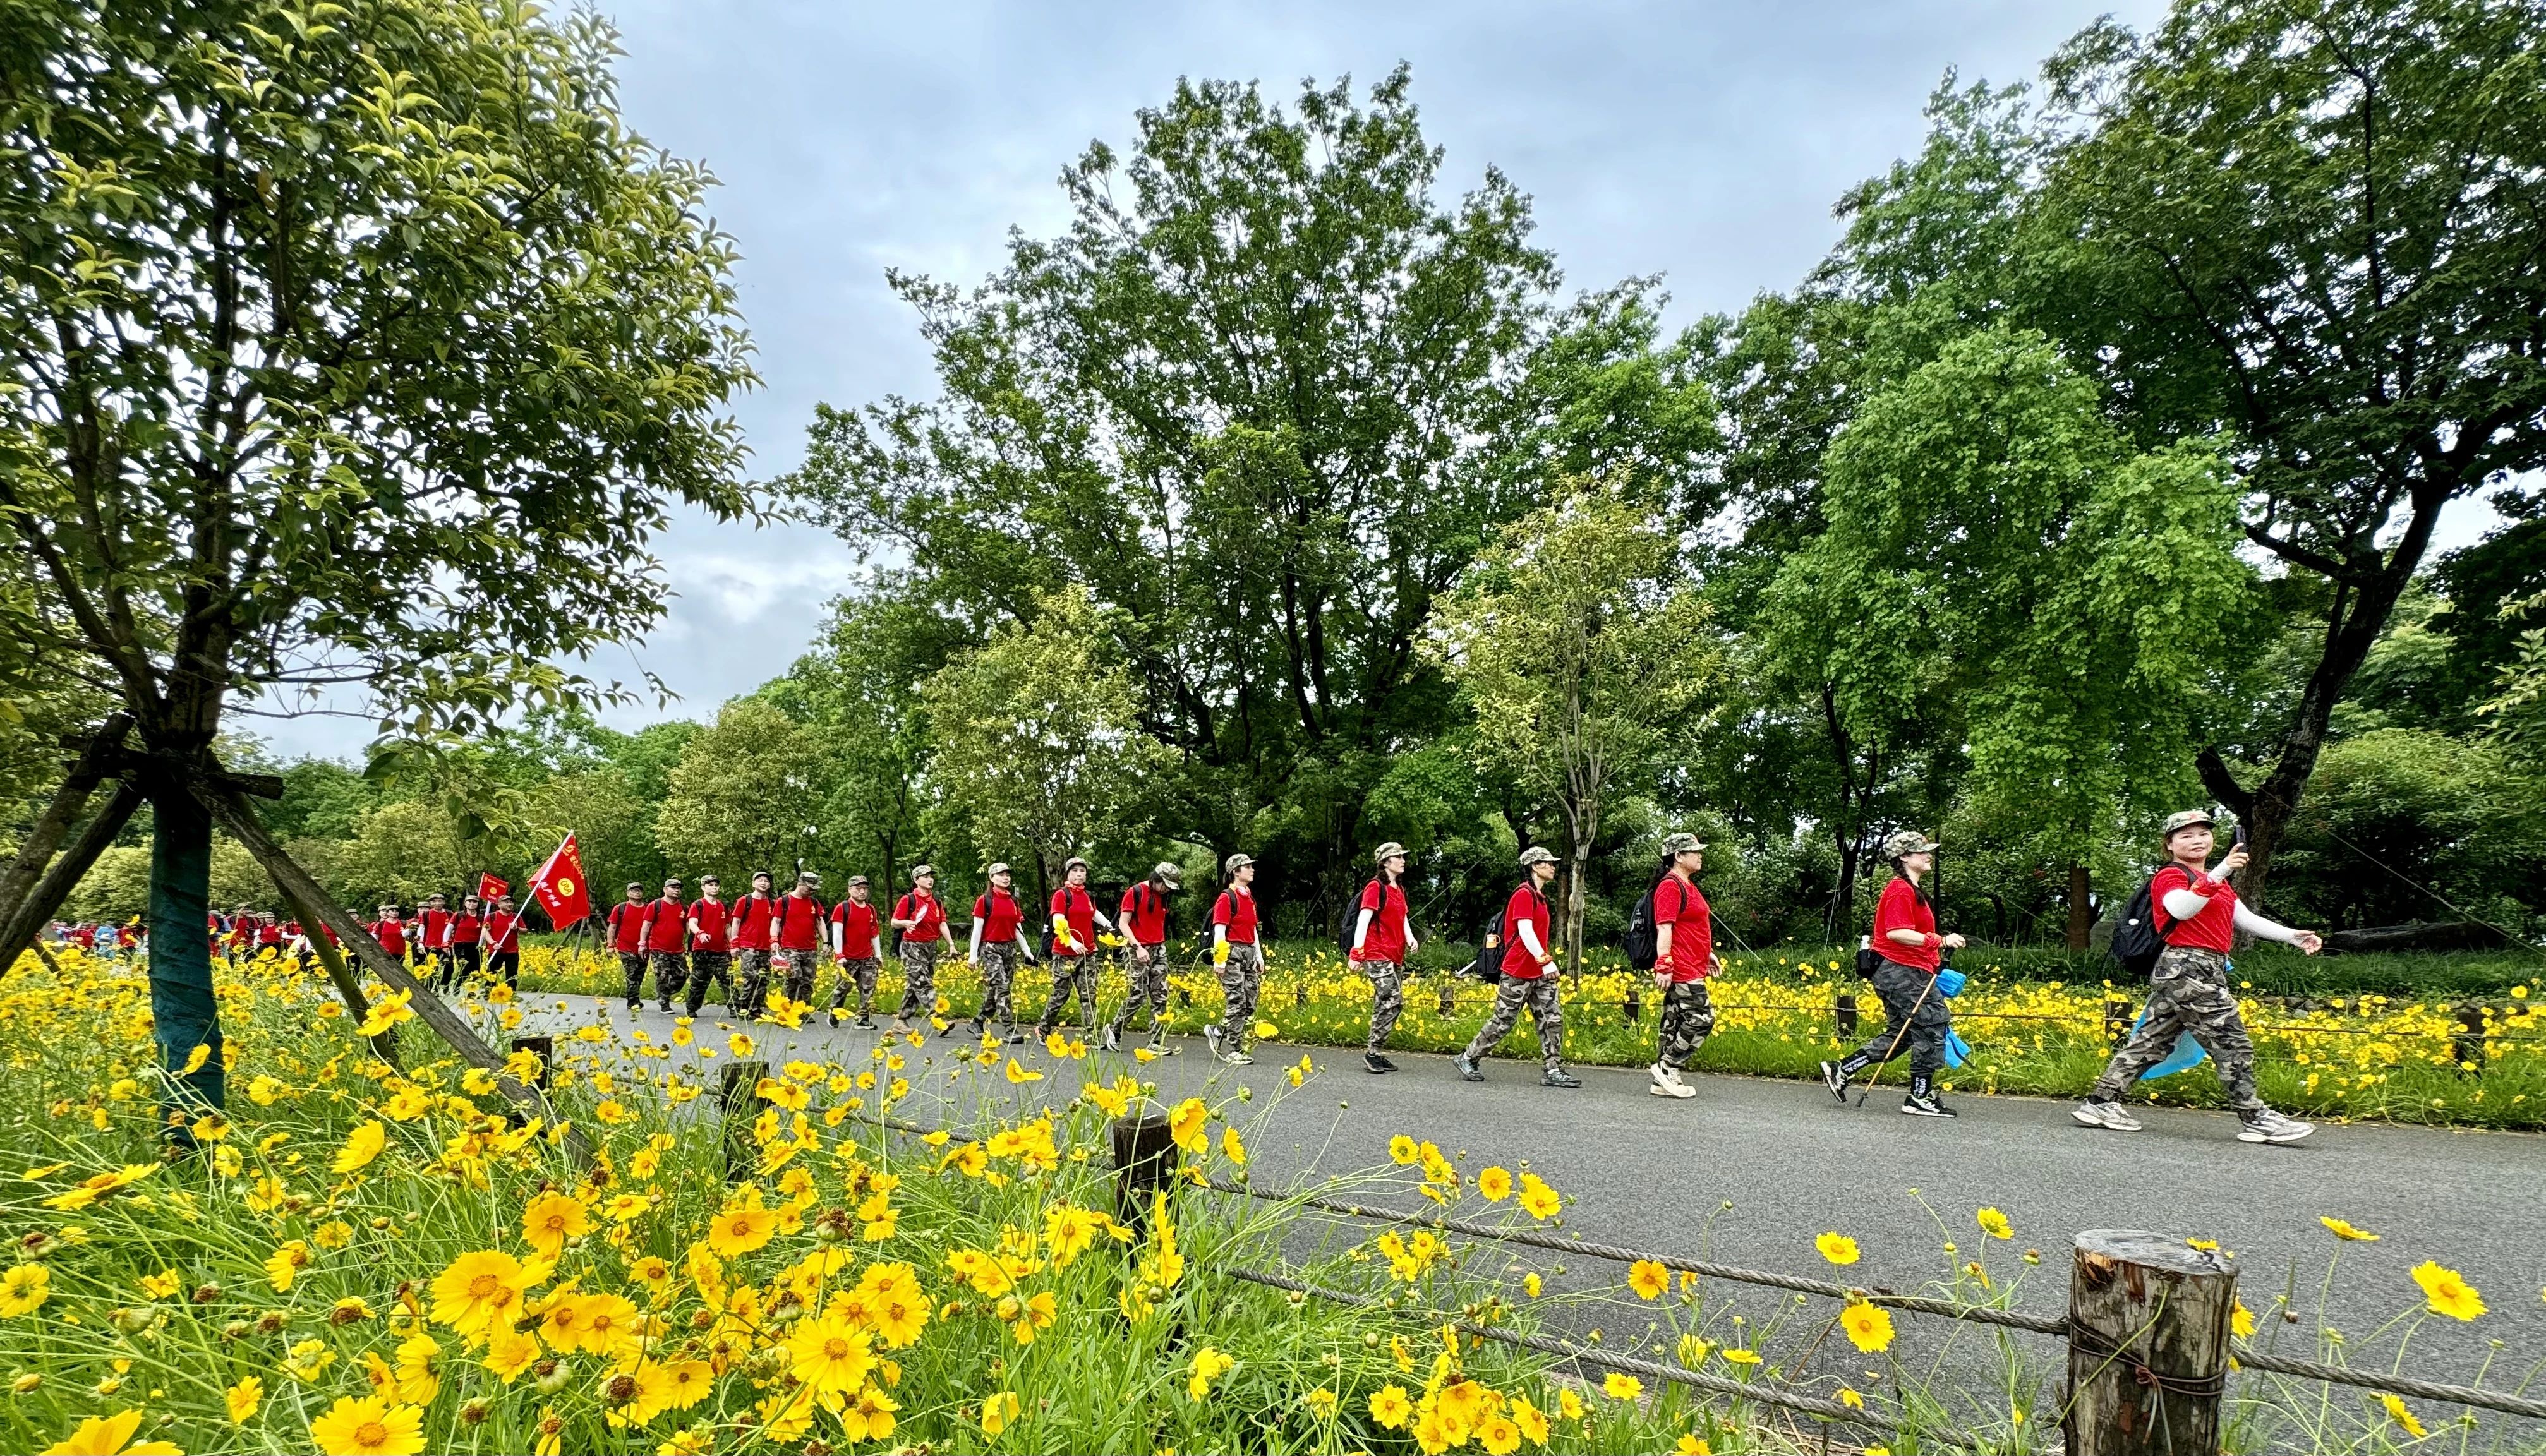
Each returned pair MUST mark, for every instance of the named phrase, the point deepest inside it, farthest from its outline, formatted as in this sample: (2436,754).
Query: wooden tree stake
(2149,1324)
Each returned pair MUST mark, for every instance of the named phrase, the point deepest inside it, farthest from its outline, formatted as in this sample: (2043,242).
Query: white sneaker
(1663,1076)
(1662,1088)
(2111,1115)
(2275,1126)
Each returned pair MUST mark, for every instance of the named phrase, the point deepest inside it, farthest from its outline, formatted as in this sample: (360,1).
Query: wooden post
(1844,1011)
(737,1089)
(2149,1322)
(1450,996)
(1144,1162)
(2467,1047)
(44,835)
(1633,1005)
(32,909)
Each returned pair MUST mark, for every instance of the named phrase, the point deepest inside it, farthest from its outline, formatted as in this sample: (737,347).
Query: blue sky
(1702,142)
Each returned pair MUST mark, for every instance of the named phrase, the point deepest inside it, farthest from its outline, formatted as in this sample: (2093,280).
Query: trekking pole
(1898,1037)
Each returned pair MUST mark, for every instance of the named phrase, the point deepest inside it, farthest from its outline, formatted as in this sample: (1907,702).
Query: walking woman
(1914,1012)
(1381,942)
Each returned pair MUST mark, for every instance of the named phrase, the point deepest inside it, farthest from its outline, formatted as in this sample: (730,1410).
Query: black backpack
(1643,943)
(2136,941)
(1352,918)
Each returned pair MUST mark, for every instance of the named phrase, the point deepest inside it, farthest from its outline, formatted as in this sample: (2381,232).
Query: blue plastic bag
(1949,982)
(2187,1054)
(1957,1050)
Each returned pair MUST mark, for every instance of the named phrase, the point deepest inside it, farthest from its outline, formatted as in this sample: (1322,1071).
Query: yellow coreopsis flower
(369,1425)
(285,1264)
(1620,1386)
(1838,1248)
(2343,1231)
(831,1356)
(2447,1292)
(362,1144)
(1389,1406)
(1995,1224)
(551,1219)
(1868,1327)
(998,1413)
(105,1436)
(1648,1279)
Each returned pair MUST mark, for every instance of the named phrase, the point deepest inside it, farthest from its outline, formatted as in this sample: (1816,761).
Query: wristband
(1934,940)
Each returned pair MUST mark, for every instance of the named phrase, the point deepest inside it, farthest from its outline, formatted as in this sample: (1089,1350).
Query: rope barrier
(2402,1384)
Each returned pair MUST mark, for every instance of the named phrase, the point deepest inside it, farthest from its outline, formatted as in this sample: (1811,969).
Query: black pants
(505,965)
(707,965)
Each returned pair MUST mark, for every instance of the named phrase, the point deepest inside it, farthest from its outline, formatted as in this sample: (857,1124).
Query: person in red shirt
(1074,922)
(1240,961)
(998,944)
(755,933)
(710,930)
(798,923)
(855,931)
(269,936)
(921,923)
(433,937)
(1527,980)
(1683,957)
(626,926)
(1382,940)
(667,945)
(1904,937)
(390,931)
(2198,916)
(460,962)
(504,942)
(1144,925)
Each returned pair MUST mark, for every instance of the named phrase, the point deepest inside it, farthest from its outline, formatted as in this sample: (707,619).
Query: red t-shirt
(858,928)
(392,934)
(1073,903)
(1527,907)
(466,928)
(1386,938)
(713,925)
(2214,929)
(753,916)
(667,926)
(1145,914)
(436,929)
(799,920)
(628,926)
(1235,909)
(1903,907)
(999,916)
(922,909)
(1682,906)
(503,932)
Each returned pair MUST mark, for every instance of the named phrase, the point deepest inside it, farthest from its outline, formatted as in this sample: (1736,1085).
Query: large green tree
(350,344)
(743,797)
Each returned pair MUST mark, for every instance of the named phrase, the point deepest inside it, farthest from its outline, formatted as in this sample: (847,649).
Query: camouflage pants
(2189,995)
(1918,1025)
(860,973)
(918,982)
(1242,981)
(1538,993)
(1687,1020)
(1149,983)
(998,986)
(707,965)
(754,992)
(1387,998)
(801,966)
(671,973)
(631,967)
(1071,973)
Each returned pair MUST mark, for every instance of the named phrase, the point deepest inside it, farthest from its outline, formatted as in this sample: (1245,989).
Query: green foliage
(2397,809)
(741,795)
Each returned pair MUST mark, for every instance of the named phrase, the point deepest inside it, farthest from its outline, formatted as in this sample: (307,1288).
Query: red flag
(558,886)
(492,886)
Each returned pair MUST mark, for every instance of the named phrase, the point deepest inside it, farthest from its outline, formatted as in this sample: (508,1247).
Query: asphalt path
(1655,1173)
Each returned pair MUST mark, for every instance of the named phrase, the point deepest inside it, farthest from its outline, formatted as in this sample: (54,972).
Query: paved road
(1646,1171)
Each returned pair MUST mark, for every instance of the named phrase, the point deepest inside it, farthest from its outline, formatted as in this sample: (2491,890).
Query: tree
(1038,738)
(349,344)
(1583,651)
(2313,226)
(743,796)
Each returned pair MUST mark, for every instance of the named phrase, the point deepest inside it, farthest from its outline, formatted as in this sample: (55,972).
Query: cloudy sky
(1704,143)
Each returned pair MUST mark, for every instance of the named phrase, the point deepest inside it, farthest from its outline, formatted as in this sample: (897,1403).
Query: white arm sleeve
(1361,926)
(2255,926)
(1529,939)
(2184,904)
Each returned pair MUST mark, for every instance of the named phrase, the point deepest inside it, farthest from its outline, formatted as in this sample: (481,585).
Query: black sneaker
(1835,1077)
(1927,1106)
(1468,1069)
(864,1022)
(1014,1036)
(1558,1077)
(636,1005)
(1375,1063)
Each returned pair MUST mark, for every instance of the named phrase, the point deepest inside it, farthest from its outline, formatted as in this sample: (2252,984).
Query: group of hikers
(769,938)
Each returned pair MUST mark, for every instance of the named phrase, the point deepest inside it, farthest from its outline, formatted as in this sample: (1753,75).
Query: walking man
(710,930)
(854,933)
(1144,925)
(1683,957)
(503,942)
(391,932)
(1381,942)
(1527,980)
(921,920)
(1074,918)
(1239,962)
(998,943)
(434,921)
(626,926)
(800,918)
(755,926)
(465,927)
(2197,916)
(667,944)
(1915,1012)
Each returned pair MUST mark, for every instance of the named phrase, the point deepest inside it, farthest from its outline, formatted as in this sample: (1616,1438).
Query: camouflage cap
(1682,843)
(1075,862)
(997,868)
(856,880)
(2185,819)
(1167,873)
(923,872)
(1236,863)
(1386,852)
(1537,854)
(1906,841)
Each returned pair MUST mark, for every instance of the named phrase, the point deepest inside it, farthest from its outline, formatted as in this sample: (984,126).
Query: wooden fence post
(2119,1013)
(737,1089)
(2467,1047)
(2149,1324)
(1844,1011)
(1144,1162)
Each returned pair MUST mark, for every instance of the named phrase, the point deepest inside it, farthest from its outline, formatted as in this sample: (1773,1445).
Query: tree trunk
(183,1012)
(2081,919)
(1574,899)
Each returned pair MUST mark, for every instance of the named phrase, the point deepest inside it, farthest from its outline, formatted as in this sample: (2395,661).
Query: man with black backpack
(1074,966)
(1145,926)
(1527,978)
(1379,941)
(2196,912)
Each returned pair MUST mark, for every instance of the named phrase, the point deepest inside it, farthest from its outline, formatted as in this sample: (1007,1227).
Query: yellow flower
(479,1290)
(1230,1144)
(742,1226)
(243,1399)
(162,1285)
(553,1218)
(1537,1199)
(1400,1150)
(2241,1320)
(285,1263)
(1321,1402)
(509,1352)
(1850,1399)
(1209,1364)
(998,1413)
(1389,1407)
(1838,1248)
(1692,1444)
(1743,1356)
(1995,1224)
(1495,1183)
(831,1356)
(1620,1386)
(1868,1327)
(2340,1230)
(105,1436)
(1648,1279)
(2397,1413)
(23,1289)
(2447,1290)
(1018,1074)
(1185,1121)
(369,1425)
(362,1144)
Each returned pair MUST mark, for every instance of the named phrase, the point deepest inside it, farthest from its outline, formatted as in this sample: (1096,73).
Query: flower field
(2363,1056)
